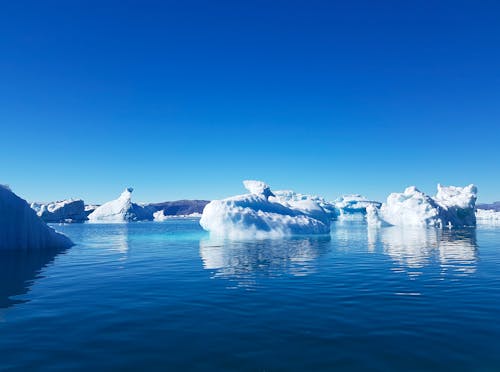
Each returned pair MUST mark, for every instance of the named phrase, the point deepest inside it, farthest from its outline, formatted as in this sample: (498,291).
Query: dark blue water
(163,296)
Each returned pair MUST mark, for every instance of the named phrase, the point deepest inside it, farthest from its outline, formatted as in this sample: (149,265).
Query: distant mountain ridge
(179,207)
(495,206)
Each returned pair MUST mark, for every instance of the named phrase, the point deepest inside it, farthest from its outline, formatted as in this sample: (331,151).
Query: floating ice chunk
(160,216)
(372,216)
(21,228)
(71,210)
(353,206)
(261,215)
(118,210)
(487,217)
(410,208)
(457,204)
(452,207)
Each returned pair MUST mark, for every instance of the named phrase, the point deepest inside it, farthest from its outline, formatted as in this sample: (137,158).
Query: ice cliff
(22,229)
(62,211)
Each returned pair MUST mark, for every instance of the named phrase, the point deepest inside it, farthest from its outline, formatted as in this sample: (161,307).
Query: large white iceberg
(116,211)
(21,228)
(71,210)
(260,214)
(451,207)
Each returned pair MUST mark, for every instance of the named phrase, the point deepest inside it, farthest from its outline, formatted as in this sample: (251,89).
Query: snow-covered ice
(411,208)
(71,210)
(310,204)
(451,207)
(160,216)
(372,216)
(118,210)
(487,217)
(260,214)
(353,206)
(22,229)
(457,204)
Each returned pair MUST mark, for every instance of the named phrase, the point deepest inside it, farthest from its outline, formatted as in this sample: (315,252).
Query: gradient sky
(185,99)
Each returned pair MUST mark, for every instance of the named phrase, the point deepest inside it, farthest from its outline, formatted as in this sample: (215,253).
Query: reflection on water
(458,251)
(116,239)
(120,239)
(243,260)
(18,270)
(414,248)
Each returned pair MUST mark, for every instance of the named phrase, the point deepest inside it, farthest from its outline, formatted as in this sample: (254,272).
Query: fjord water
(164,296)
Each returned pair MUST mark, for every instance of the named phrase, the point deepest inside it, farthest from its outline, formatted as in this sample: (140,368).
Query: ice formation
(260,214)
(353,206)
(373,217)
(310,204)
(160,216)
(62,211)
(118,210)
(457,204)
(451,207)
(487,217)
(22,229)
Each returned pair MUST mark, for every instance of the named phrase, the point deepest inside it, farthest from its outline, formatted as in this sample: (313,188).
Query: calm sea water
(163,296)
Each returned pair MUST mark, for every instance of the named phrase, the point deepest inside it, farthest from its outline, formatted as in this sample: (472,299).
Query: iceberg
(487,217)
(71,210)
(373,216)
(260,214)
(22,229)
(411,208)
(119,210)
(310,204)
(353,206)
(160,216)
(457,204)
(451,207)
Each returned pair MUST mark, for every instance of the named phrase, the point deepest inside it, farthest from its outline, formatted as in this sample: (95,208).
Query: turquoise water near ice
(164,296)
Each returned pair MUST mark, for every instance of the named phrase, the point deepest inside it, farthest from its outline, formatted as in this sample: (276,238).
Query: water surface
(164,296)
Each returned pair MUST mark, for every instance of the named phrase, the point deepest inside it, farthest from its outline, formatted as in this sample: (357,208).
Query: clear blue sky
(184,99)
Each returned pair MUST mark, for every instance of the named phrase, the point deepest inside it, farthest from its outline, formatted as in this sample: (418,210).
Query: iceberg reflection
(244,260)
(458,251)
(413,248)
(18,270)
